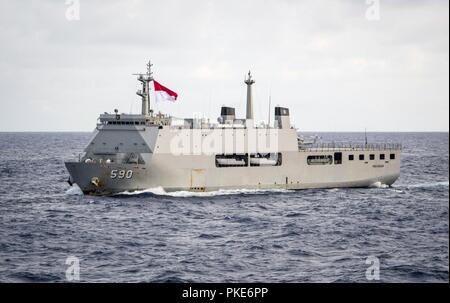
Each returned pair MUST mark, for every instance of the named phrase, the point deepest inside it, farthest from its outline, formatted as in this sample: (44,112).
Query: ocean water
(224,236)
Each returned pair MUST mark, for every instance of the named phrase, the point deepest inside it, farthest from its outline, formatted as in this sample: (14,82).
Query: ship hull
(200,173)
(131,152)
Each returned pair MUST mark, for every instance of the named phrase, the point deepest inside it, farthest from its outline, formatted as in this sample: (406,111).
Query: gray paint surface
(135,152)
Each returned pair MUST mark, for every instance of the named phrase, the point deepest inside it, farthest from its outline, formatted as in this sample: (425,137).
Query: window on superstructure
(338,158)
(351,157)
(392,156)
(361,157)
(372,157)
(382,156)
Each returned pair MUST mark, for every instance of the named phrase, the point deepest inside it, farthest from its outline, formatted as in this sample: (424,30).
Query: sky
(344,65)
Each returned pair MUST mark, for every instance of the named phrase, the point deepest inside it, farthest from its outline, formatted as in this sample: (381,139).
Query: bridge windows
(361,157)
(382,156)
(125,123)
(392,156)
(372,157)
(351,157)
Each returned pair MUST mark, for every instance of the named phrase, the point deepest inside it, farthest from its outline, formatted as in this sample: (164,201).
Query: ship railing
(81,156)
(75,157)
(333,146)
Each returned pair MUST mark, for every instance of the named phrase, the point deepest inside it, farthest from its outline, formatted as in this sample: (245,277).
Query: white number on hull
(120,174)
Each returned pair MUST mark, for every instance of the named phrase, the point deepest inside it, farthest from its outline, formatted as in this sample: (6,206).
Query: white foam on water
(221,192)
(399,191)
(333,189)
(432,184)
(378,184)
(74,190)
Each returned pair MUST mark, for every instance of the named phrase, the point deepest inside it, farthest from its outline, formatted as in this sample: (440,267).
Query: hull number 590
(120,174)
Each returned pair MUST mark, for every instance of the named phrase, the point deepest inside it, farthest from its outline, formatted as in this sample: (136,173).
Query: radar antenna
(365,136)
(149,69)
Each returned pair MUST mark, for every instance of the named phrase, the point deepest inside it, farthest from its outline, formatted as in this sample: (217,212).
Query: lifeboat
(230,161)
(263,162)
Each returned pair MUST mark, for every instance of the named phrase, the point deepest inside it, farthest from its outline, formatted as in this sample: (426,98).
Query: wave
(378,184)
(74,190)
(221,192)
(431,184)
(333,189)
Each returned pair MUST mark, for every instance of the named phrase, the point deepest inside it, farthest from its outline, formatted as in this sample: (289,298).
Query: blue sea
(225,236)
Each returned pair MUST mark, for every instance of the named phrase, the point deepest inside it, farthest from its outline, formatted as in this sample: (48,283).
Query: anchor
(95,181)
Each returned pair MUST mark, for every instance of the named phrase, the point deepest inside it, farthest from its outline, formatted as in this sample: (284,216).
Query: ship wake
(159,191)
(378,184)
(74,190)
(429,185)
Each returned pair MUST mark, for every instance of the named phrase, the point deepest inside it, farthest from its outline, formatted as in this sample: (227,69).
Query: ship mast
(145,79)
(249,81)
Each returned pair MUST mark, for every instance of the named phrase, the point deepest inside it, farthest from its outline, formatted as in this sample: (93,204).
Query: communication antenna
(270,101)
(365,136)
(209,104)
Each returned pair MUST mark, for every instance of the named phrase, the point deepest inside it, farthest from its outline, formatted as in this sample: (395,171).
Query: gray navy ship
(132,152)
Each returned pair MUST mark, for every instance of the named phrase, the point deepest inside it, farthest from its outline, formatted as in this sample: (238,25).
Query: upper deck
(348,146)
(159,119)
(131,119)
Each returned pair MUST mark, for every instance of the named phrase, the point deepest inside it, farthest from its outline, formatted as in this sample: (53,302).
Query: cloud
(335,69)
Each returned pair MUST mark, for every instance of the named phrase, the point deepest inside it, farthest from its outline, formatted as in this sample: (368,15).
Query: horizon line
(305,131)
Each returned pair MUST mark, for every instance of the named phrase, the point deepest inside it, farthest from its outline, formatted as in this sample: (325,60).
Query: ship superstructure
(130,152)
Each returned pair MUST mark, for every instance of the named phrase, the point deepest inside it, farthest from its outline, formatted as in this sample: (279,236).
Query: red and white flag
(162,93)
